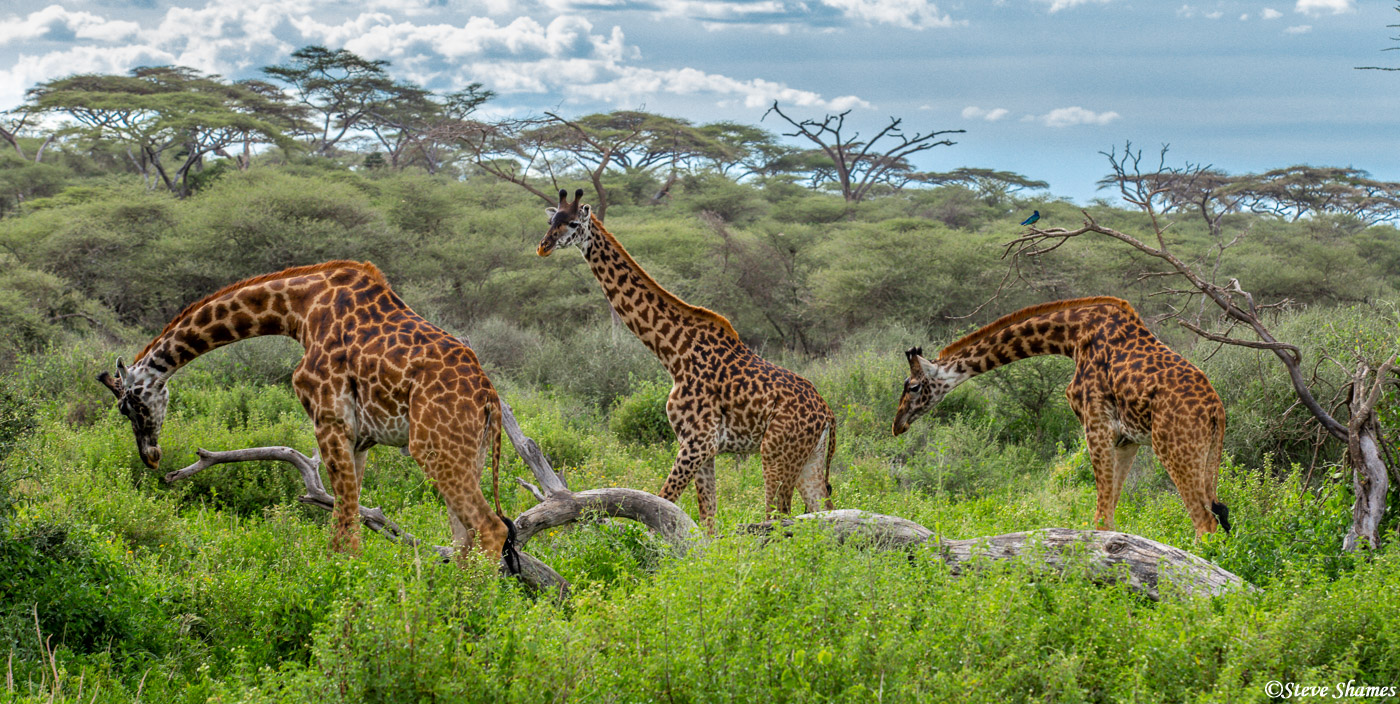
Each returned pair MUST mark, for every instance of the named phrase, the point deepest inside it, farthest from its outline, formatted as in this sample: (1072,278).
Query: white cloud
(1318,7)
(1217,14)
(31,70)
(972,112)
(1270,13)
(1244,17)
(83,25)
(525,57)
(633,83)
(1072,116)
(513,55)
(1057,5)
(1298,29)
(779,16)
(910,14)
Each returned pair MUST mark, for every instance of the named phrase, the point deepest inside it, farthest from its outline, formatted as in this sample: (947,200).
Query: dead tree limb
(664,518)
(533,573)
(1142,564)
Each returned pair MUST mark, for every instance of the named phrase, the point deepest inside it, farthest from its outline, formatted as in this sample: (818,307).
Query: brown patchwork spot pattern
(1128,390)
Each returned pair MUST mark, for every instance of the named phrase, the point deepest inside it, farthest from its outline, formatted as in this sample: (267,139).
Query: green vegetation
(220,588)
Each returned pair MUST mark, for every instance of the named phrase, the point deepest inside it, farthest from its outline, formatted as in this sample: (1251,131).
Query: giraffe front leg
(338,455)
(692,462)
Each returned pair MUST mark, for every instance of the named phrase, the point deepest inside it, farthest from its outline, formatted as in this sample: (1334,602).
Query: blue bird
(1035,217)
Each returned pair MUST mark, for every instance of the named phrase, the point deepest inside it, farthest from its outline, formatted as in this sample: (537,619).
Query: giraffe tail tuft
(510,555)
(1222,514)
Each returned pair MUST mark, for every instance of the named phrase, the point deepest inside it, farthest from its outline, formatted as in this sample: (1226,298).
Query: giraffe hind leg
(1187,465)
(812,481)
(453,457)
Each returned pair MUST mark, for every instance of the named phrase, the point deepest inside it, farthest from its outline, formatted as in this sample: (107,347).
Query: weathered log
(1142,564)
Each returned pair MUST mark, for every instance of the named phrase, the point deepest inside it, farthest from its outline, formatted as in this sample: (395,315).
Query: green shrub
(959,456)
(640,417)
(80,592)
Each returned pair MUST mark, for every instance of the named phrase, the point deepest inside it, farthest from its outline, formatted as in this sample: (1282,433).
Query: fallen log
(1142,564)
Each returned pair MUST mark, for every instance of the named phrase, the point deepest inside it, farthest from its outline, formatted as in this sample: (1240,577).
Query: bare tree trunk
(1370,478)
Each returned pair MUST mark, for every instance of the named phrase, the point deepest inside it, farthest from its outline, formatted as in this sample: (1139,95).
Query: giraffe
(373,373)
(1128,390)
(724,398)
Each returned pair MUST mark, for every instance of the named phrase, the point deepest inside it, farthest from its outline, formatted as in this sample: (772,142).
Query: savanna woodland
(127,197)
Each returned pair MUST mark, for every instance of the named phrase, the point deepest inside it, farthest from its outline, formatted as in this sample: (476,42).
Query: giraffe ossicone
(1128,390)
(374,373)
(724,398)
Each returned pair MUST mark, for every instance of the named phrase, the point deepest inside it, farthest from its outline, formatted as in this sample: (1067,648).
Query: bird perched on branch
(1033,219)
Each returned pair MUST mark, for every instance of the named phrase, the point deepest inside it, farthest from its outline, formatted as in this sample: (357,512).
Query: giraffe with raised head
(374,373)
(724,398)
(1128,390)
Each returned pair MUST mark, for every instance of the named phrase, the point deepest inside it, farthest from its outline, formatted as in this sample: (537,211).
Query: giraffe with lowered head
(374,373)
(724,398)
(1128,390)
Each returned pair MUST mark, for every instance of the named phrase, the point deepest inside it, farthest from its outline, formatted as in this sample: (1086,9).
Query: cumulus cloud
(1072,116)
(778,15)
(55,20)
(1270,13)
(1057,5)
(972,112)
(29,70)
(567,56)
(910,14)
(1318,7)
(1298,29)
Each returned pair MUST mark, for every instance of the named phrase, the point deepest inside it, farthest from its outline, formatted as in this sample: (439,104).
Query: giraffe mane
(1029,312)
(367,267)
(698,311)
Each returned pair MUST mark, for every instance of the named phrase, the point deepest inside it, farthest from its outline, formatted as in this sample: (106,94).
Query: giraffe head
(570,225)
(926,386)
(142,398)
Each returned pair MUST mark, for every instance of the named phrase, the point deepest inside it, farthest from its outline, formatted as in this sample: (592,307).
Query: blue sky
(1041,86)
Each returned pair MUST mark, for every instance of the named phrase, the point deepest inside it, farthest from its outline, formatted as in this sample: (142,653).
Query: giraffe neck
(1056,328)
(668,326)
(267,305)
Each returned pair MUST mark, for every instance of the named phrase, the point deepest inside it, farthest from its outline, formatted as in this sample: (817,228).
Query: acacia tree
(993,186)
(1166,192)
(339,89)
(414,125)
(861,165)
(168,118)
(528,151)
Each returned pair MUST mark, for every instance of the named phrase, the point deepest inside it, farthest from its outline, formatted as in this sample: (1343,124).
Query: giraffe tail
(830,452)
(510,555)
(1221,511)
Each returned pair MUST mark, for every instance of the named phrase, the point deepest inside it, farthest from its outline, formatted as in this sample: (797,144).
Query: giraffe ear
(585,212)
(915,368)
(550,211)
(122,372)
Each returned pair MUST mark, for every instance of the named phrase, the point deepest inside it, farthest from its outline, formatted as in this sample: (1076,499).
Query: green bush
(80,592)
(640,417)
